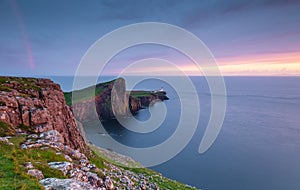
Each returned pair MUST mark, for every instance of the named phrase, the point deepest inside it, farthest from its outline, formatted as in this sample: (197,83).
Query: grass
(86,93)
(13,175)
(140,93)
(112,157)
(5,88)
(25,83)
(6,129)
(162,182)
(82,95)
(3,80)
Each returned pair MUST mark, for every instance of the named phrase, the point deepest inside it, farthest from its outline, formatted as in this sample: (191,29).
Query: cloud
(61,31)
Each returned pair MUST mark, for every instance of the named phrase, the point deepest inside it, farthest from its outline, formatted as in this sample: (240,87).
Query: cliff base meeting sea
(257,148)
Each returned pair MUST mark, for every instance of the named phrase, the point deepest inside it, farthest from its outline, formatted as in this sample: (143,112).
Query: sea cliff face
(38,105)
(113,100)
(42,147)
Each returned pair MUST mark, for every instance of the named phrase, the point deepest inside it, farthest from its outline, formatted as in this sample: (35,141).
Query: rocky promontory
(111,100)
(42,146)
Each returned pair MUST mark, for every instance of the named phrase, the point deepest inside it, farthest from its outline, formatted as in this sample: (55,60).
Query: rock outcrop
(37,125)
(150,98)
(113,100)
(81,173)
(38,105)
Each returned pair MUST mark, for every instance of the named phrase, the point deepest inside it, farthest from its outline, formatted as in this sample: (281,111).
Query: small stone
(33,136)
(36,173)
(143,187)
(108,183)
(5,139)
(36,145)
(94,180)
(78,174)
(91,166)
(28,165)
(68,158)
(62,166)
(99,183)
(86,169)
(83,162)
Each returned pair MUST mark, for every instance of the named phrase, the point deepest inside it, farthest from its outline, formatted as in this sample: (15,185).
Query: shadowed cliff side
(110,100)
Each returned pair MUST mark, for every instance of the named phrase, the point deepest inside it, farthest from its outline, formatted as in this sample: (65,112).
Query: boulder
(5,139)
(36,173)
(65,184)
(64,167)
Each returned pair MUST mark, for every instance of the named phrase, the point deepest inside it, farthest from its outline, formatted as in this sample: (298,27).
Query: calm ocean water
(257,148)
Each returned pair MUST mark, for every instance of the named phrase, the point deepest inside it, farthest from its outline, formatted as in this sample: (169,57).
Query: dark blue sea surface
(257,148)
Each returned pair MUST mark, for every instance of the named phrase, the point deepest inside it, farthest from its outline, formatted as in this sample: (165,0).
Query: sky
(246,37)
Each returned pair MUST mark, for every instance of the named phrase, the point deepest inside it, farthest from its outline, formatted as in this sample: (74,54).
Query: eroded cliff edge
(110,100)
(39,142)
(38,105)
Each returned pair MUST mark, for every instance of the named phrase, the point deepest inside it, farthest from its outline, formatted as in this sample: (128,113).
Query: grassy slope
(90,92)
(162,182)
(13,175)
(86,93)
(6,129)
(140,93)
(26,83)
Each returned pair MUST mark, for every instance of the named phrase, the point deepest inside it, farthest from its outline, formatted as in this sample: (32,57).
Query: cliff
(38,105)
(147,98)
(122,105)
(42,147)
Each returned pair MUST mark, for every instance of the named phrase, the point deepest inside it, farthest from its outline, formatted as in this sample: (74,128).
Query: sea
(258,146)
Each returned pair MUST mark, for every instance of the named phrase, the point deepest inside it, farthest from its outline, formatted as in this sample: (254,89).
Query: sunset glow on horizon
(279,64)
(257,38)
(276,64)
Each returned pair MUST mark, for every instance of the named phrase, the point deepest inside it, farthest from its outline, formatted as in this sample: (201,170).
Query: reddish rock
(108,183)
(36,173)
(112,101)
(40,105)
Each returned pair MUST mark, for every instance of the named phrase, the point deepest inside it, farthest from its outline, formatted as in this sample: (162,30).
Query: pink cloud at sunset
(276,64)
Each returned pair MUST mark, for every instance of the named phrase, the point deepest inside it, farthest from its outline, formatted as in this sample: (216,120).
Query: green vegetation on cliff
(6,129)
(13,158)
(13,174)
(92,91)
(130,165)
(6,83)
(86,93)
(140,93)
